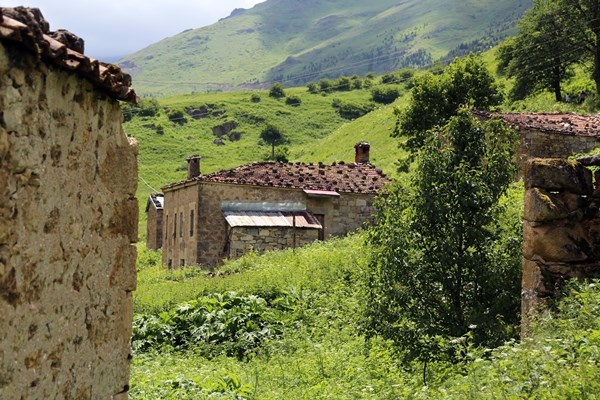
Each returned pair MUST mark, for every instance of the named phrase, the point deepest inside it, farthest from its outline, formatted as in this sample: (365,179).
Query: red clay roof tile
(338,177)
(28,27)
(563,123)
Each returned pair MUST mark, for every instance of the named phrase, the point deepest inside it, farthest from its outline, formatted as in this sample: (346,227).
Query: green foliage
(440,266)
(255,98)
(351,110)
(541,55)
(177,117)
(385,94)
(277,91)
(293,100)
(214,324)
(273,135)
(436,98)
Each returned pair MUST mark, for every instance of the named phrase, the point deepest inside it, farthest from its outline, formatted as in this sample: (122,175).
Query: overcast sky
(114,28)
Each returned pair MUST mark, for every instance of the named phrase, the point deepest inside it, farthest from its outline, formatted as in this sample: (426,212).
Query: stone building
(265,206)
(561,229)
(68,217)
(552,135)
(154,227)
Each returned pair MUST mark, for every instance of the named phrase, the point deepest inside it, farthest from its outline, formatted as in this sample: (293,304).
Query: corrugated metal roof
(265,206)
(271,219)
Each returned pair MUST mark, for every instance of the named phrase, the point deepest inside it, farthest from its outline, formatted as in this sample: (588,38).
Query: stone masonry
(68,220)
(561,230)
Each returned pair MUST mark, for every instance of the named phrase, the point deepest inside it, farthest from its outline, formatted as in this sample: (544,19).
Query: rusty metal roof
(302,219)
(562,123)
(336,177)
(28,27)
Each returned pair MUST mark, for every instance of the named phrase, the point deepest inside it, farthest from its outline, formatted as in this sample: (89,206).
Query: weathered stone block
(558,175)
(556,242)
(542,206)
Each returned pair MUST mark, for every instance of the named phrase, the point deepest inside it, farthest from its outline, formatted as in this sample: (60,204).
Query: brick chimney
(361,155)
(193,166)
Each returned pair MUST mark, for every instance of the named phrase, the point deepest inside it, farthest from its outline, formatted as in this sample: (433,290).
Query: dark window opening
(180,224)
(191,222)
(321,219)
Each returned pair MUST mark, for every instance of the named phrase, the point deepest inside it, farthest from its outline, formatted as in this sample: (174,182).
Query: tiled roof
(28,27)
(563,123)
(339,177)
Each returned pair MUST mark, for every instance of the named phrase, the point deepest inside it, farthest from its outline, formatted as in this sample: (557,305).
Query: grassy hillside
(297,42)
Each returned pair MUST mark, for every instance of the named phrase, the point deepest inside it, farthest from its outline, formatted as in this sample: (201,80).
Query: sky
(115,28)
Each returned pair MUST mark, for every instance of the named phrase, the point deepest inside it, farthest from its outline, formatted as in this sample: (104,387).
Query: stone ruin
(561,229)
(68,217)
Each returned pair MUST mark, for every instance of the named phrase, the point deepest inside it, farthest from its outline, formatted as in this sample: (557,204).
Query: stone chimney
(361,155)
(193,166)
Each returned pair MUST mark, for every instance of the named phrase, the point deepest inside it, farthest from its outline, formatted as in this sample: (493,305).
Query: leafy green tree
(541,55)
(273,135)
(586,14)
(437,98)
(276,90)
(385,94)
(445,264)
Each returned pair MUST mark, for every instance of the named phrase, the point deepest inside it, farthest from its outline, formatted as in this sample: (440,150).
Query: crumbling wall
(68,218)
(561,229)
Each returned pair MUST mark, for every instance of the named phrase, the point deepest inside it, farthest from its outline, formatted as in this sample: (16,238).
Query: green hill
(295,42)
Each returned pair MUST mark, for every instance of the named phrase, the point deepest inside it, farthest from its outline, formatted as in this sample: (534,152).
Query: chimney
(361,155)
(193,166)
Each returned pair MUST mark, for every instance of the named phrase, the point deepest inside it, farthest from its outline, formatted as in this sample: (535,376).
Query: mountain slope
(297,41)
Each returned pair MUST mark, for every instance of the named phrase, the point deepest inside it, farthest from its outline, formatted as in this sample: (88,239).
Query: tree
(274,136)
(586,14)
(276,91)
(436,98)
(541,55)
(443,262)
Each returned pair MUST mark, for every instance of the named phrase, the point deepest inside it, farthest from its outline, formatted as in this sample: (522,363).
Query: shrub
(277,91)
(385,94)
(313,88)
(351,110)
(293,100)
(177,117)
(255,98)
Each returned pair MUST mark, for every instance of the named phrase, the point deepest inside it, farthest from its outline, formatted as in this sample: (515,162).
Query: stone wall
(261,239)
(561,230)
(68,218)
(535,143)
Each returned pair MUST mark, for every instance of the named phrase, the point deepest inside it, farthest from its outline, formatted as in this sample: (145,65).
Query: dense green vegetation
(311,301)
(298,42)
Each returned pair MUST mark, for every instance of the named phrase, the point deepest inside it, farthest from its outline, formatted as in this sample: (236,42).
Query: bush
(255,98)
(293,101)
(385,94)
(177,117)
(350,110)
(313,88)
(276,91)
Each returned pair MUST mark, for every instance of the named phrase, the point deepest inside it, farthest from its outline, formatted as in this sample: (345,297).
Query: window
(191,222)
(170,264)
(180,224)
(182,262)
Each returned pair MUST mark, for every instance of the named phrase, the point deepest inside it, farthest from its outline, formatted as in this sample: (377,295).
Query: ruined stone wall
(68,218)
(561,230)
(261,239)
(554,145)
